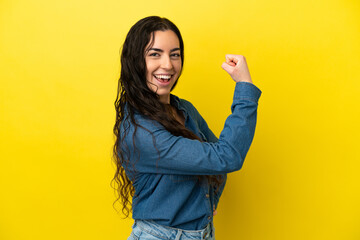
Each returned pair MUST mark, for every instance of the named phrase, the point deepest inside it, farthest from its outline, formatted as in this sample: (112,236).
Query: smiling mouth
(163,78)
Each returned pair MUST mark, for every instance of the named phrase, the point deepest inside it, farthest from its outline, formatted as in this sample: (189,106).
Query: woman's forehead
(165,39)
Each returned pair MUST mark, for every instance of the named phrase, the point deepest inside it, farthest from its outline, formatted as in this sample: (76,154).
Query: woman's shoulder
(142,121)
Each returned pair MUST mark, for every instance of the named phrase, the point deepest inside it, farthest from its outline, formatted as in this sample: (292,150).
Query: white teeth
(165,77)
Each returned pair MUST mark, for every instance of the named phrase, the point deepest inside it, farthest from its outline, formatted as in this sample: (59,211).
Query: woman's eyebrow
(160,50)
(174,49)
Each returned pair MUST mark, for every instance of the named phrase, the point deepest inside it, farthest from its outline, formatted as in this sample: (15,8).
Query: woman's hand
(237,67)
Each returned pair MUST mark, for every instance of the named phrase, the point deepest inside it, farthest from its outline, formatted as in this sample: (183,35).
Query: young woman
(168,160)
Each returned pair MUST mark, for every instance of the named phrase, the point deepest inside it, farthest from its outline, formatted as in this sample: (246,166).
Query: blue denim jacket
(168,189)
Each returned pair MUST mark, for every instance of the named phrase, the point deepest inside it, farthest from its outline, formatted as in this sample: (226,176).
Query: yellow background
(59,68)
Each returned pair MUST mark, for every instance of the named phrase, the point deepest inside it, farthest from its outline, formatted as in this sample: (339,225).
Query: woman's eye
(175,55)
(153,54)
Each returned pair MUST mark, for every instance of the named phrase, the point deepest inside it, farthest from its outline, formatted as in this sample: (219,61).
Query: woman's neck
(165,99)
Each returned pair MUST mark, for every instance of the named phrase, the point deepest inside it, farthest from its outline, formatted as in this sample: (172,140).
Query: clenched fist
(237,67)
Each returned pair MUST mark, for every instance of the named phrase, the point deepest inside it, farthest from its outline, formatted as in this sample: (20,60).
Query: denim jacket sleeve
(158,151)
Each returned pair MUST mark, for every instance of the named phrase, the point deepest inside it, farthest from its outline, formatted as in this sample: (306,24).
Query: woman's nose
(166,62)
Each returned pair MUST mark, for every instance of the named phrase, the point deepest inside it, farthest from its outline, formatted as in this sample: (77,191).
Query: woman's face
(163,63)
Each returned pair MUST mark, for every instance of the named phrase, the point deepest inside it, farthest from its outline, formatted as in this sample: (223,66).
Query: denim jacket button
(207,195)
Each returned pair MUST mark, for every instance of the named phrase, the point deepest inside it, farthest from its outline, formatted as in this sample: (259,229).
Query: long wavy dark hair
(133,94)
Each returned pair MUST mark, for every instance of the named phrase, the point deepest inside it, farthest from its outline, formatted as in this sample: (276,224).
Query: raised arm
(158,151)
